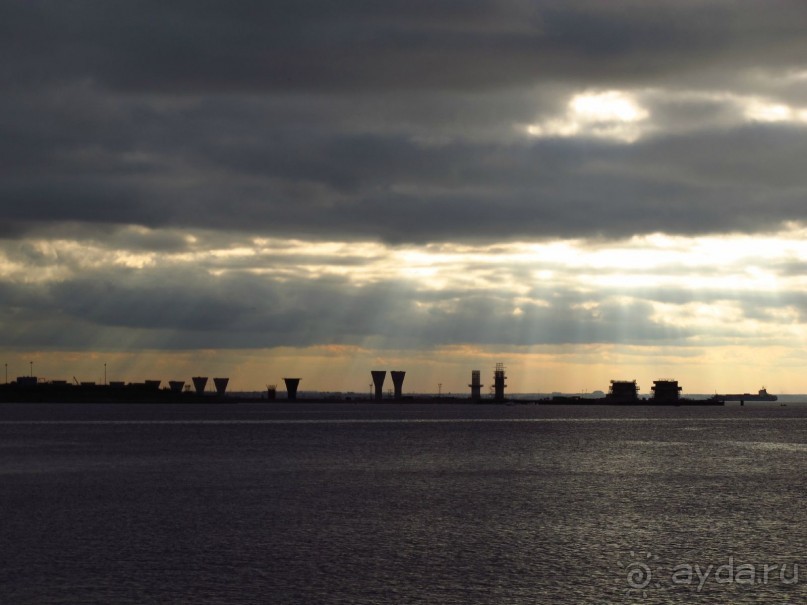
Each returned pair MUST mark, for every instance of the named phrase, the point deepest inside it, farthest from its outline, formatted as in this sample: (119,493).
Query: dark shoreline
(168,397)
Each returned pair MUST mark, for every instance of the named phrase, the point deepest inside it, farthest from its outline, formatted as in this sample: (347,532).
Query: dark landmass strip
(146,393)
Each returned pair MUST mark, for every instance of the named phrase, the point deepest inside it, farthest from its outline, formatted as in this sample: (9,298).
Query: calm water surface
(402,504)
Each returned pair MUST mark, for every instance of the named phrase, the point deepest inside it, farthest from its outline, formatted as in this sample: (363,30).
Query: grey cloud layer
(109,290)
(281,297)
(394,120)
(151,309)
(320,45)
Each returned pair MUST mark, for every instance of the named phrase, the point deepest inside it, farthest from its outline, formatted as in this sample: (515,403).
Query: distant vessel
(762,395)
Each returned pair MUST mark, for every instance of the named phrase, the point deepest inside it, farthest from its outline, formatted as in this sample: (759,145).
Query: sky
(581,190)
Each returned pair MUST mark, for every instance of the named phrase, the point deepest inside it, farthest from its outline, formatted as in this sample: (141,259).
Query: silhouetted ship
(762,395)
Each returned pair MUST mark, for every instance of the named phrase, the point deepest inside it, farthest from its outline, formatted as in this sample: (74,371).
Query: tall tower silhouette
(378,381)
(498,382)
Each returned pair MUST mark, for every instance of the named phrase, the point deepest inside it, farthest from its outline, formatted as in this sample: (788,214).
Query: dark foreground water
(402,504)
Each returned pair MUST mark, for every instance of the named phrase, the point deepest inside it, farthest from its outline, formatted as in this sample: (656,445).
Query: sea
(402,503)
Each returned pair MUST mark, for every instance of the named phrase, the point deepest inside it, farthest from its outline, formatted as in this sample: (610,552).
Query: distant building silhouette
(378,381)
(291,387)
(221,385)
(498,382)
(666,390)
(476,385)
(397,381)
(623,390)
(199,384)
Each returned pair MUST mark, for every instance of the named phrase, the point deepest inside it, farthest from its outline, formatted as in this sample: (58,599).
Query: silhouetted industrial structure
(666,390)
(397,381)
(623,391)
(378,381)
(199,384)
(498,382)
(221,385)
(291,387)
(626,392)
(476,385)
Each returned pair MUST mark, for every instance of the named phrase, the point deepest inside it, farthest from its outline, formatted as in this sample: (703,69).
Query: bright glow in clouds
(761,111)
(611,114)
(724,297)
(626,116)
(656,260)
(610,106)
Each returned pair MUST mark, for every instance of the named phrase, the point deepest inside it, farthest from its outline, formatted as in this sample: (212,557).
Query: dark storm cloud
(318,45)
(366,186)
(394,120)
